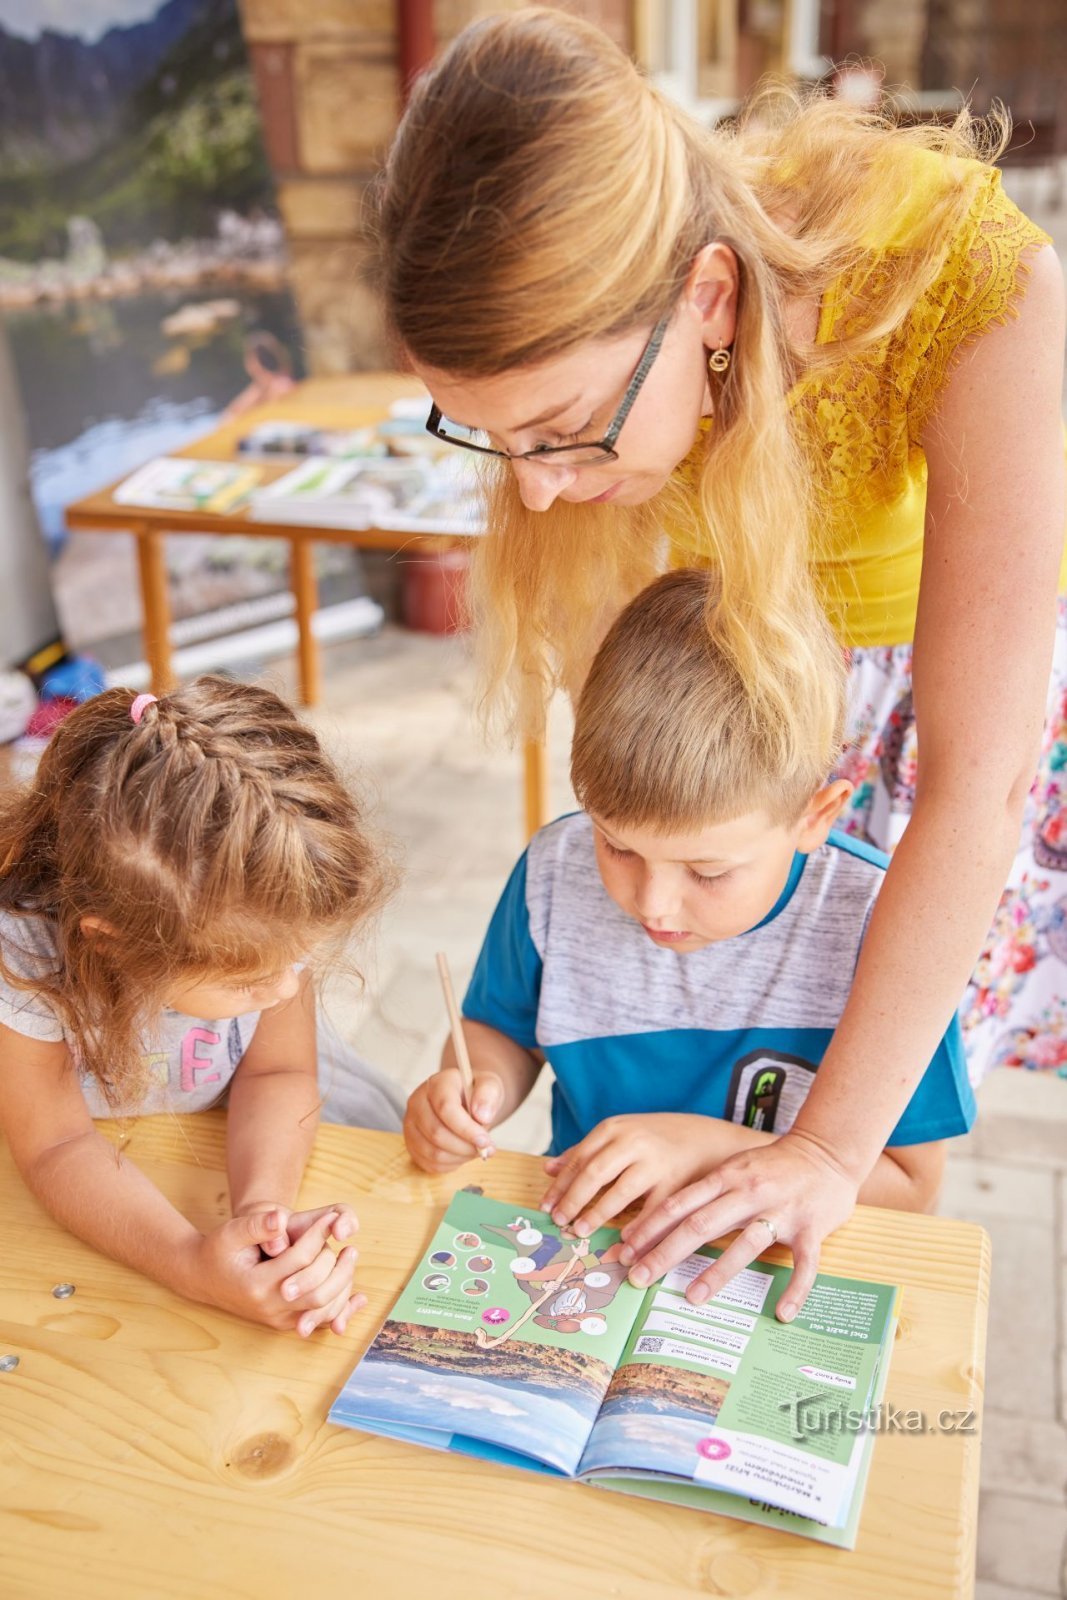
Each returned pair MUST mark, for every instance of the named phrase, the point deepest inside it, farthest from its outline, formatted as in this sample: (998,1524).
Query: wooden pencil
(459,1041)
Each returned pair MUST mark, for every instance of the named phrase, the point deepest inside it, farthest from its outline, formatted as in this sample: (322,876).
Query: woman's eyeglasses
(566,454)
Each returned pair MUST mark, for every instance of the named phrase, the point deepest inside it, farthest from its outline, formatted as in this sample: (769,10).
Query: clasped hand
(276,1267)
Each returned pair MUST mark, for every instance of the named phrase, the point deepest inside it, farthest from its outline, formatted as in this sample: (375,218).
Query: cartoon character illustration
(568,1284)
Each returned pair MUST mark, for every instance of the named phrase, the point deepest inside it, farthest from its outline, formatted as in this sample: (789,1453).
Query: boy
(681,950)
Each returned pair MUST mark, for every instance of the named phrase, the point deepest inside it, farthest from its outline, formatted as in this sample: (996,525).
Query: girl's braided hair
(213,837)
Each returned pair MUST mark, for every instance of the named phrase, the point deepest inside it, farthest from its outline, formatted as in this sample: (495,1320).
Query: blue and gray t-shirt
(735,1030)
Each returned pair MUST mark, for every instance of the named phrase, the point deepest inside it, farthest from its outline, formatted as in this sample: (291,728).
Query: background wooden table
(344,403)
(151,1449)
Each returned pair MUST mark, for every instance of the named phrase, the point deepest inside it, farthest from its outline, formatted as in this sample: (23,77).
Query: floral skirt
(1014,1012)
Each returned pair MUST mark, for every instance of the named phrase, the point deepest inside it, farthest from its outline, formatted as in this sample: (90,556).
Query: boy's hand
(230,1272)
(440,1134)
(627,1157)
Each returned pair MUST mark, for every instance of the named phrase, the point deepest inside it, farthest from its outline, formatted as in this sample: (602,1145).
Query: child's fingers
(563,1167)
(323,1316)
(345,1225)
(347,1222)
(355,1303)
(261,1228)
(331,1296)
(614,1199)
(305,1288)
(487,1097)
(424,1130)
(430,1156)
(576,1187)
(454,1119)
(305,1249)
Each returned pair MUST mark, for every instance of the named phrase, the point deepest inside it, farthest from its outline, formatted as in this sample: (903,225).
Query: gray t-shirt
(190,1059)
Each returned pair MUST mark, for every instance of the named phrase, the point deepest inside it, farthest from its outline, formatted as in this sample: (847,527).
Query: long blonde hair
(539,194)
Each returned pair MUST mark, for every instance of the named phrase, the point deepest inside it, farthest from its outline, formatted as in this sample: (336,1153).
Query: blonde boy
(681,950)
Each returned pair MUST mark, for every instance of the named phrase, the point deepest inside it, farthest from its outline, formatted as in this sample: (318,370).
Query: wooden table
(151,1449)
(350,402)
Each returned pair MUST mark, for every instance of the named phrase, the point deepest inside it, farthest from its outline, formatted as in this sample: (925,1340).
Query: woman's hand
(304,1287)
(630,1156)
(793,1183)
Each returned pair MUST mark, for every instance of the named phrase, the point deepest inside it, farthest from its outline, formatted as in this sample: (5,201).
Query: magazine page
(452,502)
(341,494)
(174,483)
(726,1397)
(502,1344)
(280,438)
(752,1509)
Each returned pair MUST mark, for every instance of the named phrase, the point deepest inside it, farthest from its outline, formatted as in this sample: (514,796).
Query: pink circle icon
(713,1449)
(496,1314)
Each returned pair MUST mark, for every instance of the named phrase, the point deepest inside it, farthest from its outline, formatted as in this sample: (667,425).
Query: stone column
(28,620)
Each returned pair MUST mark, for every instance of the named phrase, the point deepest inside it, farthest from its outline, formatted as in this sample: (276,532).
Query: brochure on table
(177,483)
(396,495)
(515,1342)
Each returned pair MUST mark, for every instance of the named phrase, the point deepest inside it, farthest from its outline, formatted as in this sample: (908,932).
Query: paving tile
(1020,1543)
(1001,1591)
(1022,1306)
(1022,1117)
(976,1189)
(1024,1456)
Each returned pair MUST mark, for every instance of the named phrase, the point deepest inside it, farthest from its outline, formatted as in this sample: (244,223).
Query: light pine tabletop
(152,1449)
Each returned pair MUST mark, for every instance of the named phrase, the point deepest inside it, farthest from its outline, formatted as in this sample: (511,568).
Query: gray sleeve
(28,951)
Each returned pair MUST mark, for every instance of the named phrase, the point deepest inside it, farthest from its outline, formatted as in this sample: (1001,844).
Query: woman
(821,353)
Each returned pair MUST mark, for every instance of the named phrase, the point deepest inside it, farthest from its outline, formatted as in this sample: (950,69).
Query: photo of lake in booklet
(515,1342)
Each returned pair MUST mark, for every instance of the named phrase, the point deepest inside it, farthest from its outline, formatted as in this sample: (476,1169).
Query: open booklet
(518,1343)
(179,483)
(396,495)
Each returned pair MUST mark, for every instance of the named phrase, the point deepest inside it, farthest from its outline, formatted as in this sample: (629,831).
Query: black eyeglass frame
(606,445)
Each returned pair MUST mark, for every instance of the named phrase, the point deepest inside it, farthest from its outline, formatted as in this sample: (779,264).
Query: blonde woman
(824,356)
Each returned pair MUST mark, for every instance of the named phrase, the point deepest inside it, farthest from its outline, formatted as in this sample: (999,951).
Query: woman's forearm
(926,932)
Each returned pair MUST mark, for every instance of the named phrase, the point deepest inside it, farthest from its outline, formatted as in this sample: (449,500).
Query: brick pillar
(327,77)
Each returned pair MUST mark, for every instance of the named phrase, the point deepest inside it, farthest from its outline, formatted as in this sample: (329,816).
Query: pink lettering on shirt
(193,1065)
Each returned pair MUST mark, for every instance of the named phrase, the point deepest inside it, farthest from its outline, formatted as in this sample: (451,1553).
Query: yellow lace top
(865,419)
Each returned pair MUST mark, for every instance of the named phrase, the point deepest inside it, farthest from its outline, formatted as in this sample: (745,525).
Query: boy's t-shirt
(190,1059)
(735,1030)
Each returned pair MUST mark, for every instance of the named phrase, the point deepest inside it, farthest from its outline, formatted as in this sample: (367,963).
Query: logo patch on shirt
(767,1089)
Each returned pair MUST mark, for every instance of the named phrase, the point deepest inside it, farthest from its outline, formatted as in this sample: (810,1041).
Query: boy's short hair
(666,734)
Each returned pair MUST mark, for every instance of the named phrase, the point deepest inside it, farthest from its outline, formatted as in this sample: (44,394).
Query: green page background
(768,1378)
(452,1309)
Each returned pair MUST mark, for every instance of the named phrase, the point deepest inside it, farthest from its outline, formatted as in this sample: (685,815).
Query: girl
(162,881)
(825,355)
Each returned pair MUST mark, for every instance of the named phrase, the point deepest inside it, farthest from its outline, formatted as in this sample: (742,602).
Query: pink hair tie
(137,710)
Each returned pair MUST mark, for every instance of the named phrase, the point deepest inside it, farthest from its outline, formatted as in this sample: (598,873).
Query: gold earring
(719,360)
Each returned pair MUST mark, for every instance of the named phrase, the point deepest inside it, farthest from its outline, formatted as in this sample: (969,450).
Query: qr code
(649,1347)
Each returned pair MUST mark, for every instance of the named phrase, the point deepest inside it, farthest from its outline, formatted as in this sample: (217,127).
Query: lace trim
(860,422)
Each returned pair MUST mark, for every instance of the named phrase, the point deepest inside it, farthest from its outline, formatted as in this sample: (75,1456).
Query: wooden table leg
(306,591)
(156,608)
(535,784)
